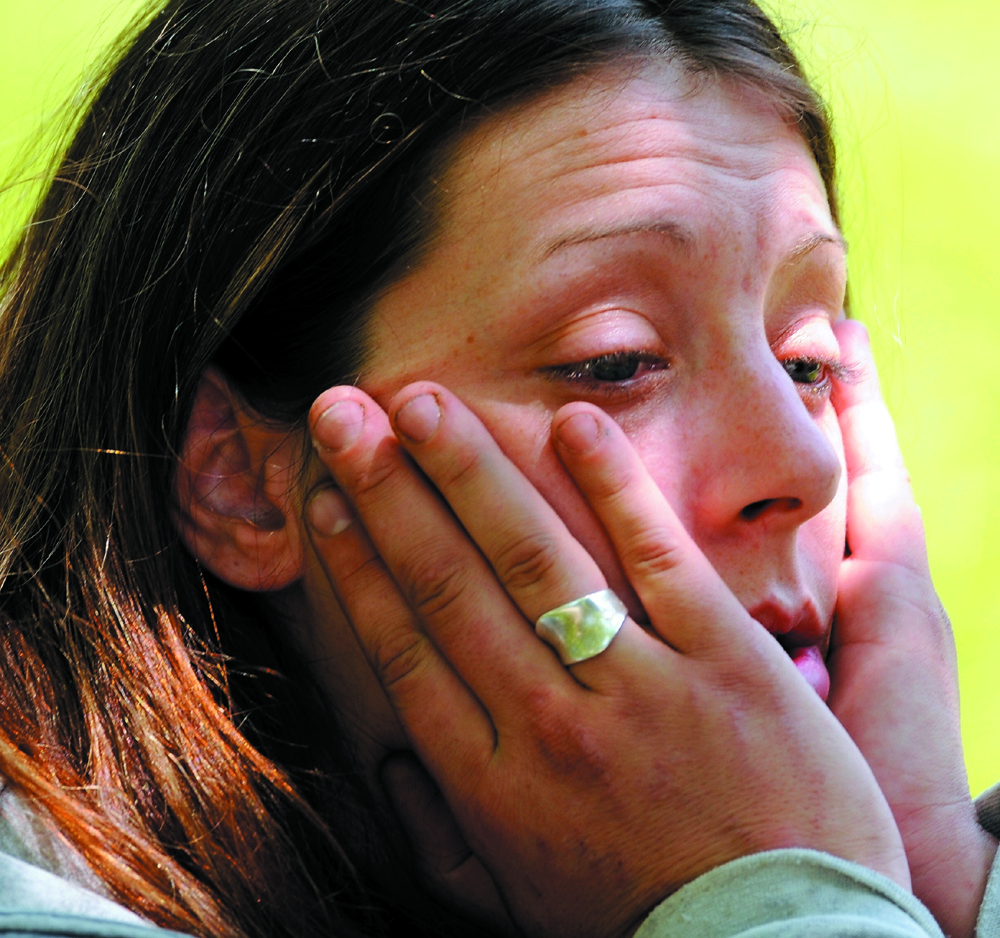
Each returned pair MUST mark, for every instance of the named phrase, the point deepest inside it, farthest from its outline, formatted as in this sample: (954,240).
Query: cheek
(820,551)
(523,433)
(823,537)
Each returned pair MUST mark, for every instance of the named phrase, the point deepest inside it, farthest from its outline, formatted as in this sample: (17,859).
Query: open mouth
(810,663)
(804,639)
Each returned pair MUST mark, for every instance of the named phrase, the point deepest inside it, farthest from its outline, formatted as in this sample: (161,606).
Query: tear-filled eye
(611,369)
(618,367)
(806,370)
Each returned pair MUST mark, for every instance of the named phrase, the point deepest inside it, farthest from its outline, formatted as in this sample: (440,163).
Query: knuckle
(435,581)
(567,744)
(526,562)
(542,705)
(654,553)
(580,752)
(377,478)
(613,486)
(357,577)
(463,465)
(400,657)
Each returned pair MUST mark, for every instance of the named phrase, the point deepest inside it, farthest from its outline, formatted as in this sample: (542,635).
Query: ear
(234,489)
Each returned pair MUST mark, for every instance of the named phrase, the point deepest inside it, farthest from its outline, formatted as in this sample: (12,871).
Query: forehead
(540,191)
(650,142)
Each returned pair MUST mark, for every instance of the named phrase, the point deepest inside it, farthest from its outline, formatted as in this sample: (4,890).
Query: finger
(538,562)
(438,569)
(536,559)
(444,859)
(688,604)
(442,718)
(883,521)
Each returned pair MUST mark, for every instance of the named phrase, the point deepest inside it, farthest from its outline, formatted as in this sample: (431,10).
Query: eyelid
(834,371)
(610,326)
(577,374)
(846,372)
(810,337)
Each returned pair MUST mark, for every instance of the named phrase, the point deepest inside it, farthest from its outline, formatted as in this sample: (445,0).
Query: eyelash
(582,373)
(829,368)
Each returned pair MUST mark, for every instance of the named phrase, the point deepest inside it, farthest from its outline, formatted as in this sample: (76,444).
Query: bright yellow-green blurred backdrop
(911,83)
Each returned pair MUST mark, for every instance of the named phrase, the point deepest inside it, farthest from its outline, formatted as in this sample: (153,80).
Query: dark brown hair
(241,164)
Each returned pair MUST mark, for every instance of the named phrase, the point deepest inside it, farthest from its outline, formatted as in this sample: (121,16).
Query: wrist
(954,884)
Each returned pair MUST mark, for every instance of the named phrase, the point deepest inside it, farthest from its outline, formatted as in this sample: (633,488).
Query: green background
(911,85)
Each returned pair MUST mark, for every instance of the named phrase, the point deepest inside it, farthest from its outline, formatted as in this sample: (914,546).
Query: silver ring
(583,628)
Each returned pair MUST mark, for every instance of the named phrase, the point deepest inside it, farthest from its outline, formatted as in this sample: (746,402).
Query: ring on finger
(583,628)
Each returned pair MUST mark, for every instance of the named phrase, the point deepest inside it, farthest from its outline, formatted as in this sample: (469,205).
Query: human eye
(609,372)
(809,371)
(815,375)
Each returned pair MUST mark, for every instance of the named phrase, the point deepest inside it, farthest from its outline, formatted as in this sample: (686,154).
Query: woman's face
(668,254)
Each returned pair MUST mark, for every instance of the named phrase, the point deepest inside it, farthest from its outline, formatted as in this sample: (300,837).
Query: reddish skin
(686,238)
(893,655)
(895,685)
(668,737)
(689,232)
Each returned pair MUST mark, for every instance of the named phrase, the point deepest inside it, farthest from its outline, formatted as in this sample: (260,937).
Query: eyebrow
(674,231)
(809,244)
(684,237)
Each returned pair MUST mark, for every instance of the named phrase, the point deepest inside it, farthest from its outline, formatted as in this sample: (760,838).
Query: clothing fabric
(988,810)
(780,894)
(784,894)
(34,902)
(788,894)
(46,887)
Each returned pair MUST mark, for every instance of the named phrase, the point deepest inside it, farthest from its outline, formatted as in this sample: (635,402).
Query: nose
(771,459)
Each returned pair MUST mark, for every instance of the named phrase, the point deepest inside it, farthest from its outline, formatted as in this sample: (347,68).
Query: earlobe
(234,491)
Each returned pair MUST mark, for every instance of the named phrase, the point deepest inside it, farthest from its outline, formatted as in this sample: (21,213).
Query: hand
(588,793)
(892,662)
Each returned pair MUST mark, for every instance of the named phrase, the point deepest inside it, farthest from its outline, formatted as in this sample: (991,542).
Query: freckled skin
(628,213)
(644,150)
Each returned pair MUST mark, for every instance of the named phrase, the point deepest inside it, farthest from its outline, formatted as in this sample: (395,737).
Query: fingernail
(339,425)
(579,432)
(328,513)
(419,417)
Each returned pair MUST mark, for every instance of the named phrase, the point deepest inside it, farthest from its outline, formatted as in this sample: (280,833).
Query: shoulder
(36,902)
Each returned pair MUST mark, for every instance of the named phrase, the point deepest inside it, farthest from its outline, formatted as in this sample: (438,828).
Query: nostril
(755,509)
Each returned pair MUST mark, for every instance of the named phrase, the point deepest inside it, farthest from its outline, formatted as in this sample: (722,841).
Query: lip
(803,635)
